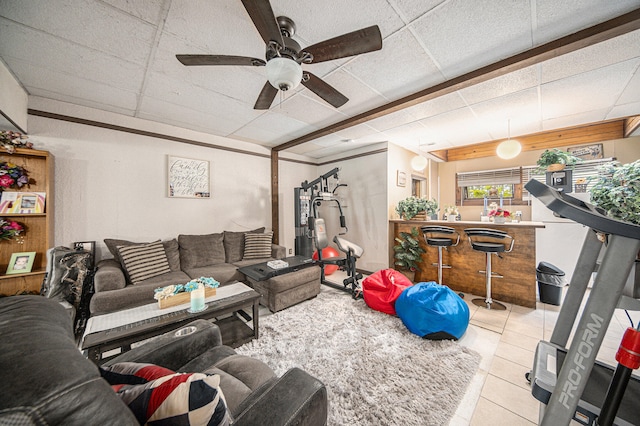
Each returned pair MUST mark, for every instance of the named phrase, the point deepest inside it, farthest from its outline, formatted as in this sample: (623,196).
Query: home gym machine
(311,231)
(571,383)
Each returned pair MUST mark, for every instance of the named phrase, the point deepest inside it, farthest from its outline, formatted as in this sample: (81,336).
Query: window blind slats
(489,177)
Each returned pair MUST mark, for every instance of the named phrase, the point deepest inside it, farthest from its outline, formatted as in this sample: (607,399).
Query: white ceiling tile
(624,110)
(590,58)
(430,108)
(272,129)
(181,116)
(361,97)
(457,127)
(520,109)
(358,132)
(87,23)
(400,68)
(574,119)
(462,36)
(412,9)
(555,19)
(631,92)
(147,10)
(500,86)
(317,21)
(306,109)
(305,149)
(586,92)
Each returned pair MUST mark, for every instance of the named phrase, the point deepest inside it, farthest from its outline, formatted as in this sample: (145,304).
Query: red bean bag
(381,289)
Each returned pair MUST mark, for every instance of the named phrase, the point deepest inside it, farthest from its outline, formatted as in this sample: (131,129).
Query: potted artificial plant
(554,160)
(412,206)
(408,253)
(617,190)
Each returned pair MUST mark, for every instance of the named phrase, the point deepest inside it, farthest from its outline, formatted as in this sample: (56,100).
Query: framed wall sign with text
(187,178)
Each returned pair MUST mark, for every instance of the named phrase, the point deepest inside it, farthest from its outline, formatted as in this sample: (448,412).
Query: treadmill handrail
(579,211)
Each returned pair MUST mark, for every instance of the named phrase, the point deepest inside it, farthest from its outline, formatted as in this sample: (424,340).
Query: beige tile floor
(499,393)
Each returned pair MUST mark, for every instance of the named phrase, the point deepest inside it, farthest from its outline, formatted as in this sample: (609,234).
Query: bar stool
(441,237)
(489,241)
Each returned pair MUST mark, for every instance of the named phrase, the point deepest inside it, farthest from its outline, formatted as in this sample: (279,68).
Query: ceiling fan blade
(324,90)
(266,97)
(190,60)
(265,21)
(350,44)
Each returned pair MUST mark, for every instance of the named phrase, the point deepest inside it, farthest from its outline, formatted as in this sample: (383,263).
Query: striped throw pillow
(144,261)
(257,246)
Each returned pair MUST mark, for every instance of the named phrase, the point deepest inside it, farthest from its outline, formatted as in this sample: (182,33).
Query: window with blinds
(489,183)
(581,173)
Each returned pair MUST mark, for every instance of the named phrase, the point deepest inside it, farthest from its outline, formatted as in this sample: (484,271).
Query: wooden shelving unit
(39,227)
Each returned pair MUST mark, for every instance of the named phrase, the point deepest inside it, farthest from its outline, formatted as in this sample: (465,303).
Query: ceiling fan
(284,55)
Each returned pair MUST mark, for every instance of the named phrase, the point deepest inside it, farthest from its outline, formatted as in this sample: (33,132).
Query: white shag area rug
(375,370)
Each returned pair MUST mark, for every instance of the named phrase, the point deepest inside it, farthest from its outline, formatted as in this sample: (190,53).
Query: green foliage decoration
(617,190)
(411,206)
(408,252)
(556,156)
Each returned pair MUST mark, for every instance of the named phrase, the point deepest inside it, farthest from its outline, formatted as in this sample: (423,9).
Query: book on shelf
(13,202)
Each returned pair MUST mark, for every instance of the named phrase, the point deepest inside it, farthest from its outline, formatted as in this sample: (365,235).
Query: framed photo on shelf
(22,202)
(21,263)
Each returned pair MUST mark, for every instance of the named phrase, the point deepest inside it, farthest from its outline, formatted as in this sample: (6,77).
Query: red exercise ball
(327,253)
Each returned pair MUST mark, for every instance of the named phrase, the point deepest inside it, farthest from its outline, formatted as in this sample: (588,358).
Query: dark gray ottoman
(286,290)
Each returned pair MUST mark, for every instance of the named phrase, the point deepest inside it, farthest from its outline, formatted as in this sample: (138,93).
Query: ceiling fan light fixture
(509,149)
(284,73)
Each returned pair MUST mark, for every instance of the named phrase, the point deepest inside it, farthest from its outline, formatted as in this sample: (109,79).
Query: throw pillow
(132,373)
(234,244)
(257,246)
(170,248)
(201,250)
(177,399)
(144,261)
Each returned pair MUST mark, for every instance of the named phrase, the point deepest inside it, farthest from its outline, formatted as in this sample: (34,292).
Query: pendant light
(419,162)
(510,148)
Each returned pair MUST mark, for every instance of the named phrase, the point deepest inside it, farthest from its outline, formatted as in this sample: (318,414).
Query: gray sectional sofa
(216,255)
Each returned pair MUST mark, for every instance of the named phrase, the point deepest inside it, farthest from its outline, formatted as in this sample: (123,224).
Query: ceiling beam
(598,33)
(631,124)
(591,133)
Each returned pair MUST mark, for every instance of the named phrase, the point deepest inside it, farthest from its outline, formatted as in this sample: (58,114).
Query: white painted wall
(366,203)
(111,184)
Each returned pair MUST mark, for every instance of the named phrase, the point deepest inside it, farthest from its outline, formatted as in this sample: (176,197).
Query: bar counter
(518,267)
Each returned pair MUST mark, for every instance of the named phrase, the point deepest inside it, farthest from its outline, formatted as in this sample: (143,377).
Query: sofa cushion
(257,246)
(201,250)
(132,373)
(234,244)
(170,248)
(185,399)
(144,261)
(222,272)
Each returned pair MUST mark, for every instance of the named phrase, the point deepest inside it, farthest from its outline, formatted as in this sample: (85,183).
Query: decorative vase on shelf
(499,219)
(556,167)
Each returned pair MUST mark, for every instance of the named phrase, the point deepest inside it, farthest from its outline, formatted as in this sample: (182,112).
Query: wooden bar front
(518,267)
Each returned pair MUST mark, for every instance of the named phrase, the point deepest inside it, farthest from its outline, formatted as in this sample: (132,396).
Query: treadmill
(568,380)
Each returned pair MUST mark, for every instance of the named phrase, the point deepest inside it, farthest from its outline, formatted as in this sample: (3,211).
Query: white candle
(197,299)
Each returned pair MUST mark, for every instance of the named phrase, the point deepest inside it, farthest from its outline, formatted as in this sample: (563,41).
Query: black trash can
(551,279)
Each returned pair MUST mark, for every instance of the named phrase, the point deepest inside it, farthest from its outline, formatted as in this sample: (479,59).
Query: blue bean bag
(433,311)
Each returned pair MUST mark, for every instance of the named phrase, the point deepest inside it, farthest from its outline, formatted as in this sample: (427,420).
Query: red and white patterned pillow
(132,373)
(158,396)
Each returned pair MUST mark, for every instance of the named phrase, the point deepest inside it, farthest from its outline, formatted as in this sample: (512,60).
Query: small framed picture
(88,246)
(21,263)
(401,178)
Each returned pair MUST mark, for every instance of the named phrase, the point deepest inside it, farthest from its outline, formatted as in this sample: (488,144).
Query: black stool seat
(488,247)
(489,241)
(439,242)
(440,237)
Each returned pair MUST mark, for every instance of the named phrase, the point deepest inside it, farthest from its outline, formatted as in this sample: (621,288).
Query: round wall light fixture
(418,163)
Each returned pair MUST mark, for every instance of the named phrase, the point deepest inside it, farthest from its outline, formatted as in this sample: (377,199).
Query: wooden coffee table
(122,328)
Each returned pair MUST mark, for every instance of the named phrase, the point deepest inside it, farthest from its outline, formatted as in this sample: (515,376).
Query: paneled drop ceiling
(119,56)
